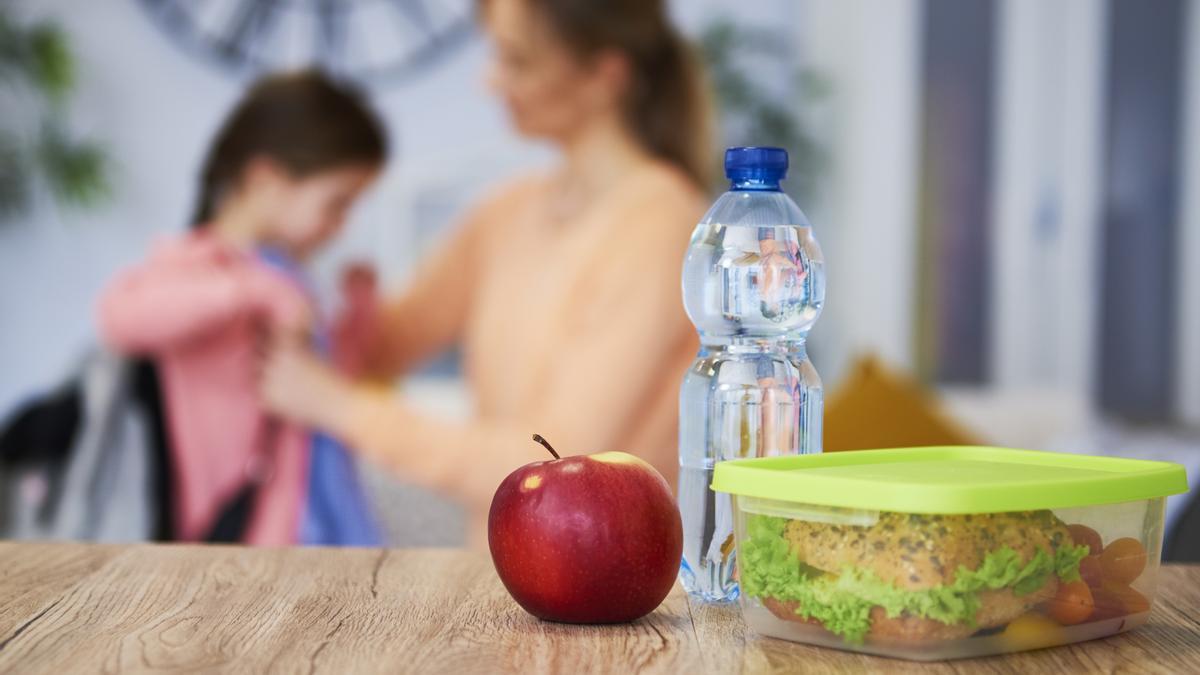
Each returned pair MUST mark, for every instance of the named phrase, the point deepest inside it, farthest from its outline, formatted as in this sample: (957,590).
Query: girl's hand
(298,386)
(277,299)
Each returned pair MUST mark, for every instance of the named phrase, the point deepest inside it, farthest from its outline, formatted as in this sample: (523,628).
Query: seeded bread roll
(918,552)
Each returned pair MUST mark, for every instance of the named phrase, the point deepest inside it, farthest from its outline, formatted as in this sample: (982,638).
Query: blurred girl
(277,183)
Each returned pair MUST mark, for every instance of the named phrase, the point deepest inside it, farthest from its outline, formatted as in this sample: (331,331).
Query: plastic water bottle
(753,284)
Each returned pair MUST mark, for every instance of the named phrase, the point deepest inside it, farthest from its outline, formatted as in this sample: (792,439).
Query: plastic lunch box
(947,552)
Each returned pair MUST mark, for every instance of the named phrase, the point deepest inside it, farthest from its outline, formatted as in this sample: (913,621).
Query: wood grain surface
(68,608)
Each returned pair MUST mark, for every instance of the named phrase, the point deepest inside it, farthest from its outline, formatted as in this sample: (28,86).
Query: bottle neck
(789,344)
(754,184)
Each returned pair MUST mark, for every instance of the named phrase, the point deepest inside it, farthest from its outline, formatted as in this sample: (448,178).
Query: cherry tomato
(1090,571)
(1108,604)
(1031,631)
(1122,561)
(1131,601)
(1073,604)
(1083,535)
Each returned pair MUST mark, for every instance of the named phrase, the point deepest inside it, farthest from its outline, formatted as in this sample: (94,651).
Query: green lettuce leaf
(768,568)
(1066,562)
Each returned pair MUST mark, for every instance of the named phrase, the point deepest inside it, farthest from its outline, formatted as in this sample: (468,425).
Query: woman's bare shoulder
(496,208)
(665,193)
(511,193)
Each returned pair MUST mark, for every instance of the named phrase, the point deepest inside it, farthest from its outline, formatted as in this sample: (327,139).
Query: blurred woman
(562,287)
(283,171)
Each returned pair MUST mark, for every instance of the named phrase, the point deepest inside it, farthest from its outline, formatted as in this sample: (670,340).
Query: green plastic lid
(949,479)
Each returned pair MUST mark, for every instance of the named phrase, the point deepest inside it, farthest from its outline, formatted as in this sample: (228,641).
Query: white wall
(1189,249)
(156,106)
(867,223)
(1046,194)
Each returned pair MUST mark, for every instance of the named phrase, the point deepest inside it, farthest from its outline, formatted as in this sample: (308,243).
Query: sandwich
(907,577)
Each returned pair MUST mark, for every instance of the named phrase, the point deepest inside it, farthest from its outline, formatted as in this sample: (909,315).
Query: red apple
(587,539)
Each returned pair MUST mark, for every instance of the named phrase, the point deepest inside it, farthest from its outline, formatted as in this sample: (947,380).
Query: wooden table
(86,608)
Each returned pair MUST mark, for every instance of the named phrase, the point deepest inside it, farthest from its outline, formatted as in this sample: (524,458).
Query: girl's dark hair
(668,107)
(304,121)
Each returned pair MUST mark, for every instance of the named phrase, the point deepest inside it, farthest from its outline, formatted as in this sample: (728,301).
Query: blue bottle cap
(768,165)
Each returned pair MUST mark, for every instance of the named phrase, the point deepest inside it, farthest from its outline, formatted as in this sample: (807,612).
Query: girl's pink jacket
(199,307)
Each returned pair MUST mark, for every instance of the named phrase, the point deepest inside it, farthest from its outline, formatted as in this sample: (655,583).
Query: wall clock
(373,40)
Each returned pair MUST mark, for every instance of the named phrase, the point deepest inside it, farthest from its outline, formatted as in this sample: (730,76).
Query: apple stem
(546,444)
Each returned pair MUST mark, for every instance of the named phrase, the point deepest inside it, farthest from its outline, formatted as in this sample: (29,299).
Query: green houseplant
(753,113)
(37,149)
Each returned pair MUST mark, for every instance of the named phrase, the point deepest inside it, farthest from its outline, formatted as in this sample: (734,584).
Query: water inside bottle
(771,281)
(756,404)
(707,541)
(753,285)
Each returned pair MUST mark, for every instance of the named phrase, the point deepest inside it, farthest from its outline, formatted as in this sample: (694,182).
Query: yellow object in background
(880,408)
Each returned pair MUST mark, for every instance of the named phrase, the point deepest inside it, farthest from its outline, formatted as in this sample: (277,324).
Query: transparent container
(944,553)
(753,285)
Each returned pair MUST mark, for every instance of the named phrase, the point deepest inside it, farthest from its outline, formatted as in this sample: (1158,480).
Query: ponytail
(669,109)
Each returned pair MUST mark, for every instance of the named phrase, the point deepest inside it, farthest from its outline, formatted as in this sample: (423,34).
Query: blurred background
(1007,192)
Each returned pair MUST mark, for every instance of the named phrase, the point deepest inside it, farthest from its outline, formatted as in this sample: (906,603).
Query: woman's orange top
(571,327)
